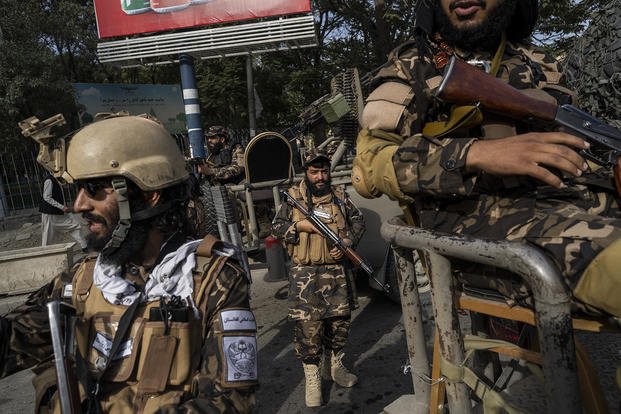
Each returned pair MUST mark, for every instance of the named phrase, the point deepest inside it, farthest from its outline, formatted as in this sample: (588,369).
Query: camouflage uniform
(227,165)
(218,380)
(572,224)
(321,290)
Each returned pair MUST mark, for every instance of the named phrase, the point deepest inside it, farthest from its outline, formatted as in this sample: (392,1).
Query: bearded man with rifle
(321,290)
(471,170)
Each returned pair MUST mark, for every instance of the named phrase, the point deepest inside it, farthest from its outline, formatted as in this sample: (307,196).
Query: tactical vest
(313,248)
(146,373)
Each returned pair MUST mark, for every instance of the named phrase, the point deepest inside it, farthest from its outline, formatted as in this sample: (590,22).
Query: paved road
(376,352)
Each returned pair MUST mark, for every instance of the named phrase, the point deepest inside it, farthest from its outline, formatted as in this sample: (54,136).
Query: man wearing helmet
(182,300)
(225,164)
(491,178)
(320,288)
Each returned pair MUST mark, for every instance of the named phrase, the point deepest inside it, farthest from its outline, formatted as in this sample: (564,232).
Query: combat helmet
(134,147)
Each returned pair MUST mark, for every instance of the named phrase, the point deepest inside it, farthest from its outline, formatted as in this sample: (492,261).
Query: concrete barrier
(26,270)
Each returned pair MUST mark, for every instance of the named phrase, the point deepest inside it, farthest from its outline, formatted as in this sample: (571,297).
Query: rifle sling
(92,386)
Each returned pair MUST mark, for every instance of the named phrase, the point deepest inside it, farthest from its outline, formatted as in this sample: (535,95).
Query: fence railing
(21,184)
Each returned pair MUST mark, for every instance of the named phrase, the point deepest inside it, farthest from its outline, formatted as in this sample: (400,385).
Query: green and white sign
(164,102)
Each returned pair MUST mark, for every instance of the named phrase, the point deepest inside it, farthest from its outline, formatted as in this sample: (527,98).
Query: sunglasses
(92,187)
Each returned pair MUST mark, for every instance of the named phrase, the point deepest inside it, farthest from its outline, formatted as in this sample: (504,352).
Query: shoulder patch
(240,358)
(237,320)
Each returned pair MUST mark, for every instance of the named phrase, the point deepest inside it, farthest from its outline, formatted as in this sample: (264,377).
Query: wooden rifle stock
(464,84)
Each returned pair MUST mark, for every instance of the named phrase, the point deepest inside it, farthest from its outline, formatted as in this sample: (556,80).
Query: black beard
(319,192)
(132,244)
(216,148)
(485,36)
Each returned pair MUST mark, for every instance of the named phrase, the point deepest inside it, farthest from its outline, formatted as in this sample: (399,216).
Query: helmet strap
(151,211)
(122,228)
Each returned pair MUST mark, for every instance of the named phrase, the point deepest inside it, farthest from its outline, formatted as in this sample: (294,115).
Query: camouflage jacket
(227,165)
(400,161)
(319,286)
(211,387)
(284,229)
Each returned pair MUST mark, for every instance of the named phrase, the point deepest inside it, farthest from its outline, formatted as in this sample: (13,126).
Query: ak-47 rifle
(464,84)
(61,315)
(333,238)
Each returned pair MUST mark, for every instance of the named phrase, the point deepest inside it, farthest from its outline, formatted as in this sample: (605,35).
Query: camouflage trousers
(311,338)
(572,230)
(319,292)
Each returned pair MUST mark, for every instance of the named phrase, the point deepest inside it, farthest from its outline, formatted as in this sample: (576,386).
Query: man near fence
(492,177)
(179,307)
(56,216)
(321,289)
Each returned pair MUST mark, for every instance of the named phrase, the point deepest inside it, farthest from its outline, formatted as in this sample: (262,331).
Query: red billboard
(127,17)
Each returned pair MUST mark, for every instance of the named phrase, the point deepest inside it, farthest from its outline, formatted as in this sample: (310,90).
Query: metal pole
(413,324)
(276,195)
(252,122)
(447,327)
(192,106)
(552,298)
(338,154)
(253,231)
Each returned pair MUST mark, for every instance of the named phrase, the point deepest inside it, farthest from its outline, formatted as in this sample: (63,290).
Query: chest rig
(312,248)
(156,362)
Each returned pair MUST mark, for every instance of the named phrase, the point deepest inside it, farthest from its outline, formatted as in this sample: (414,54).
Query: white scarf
(172,276)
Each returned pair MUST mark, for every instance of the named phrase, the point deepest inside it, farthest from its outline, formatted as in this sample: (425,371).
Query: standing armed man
(485,175)
(321,289)
(190,342)
(225,164)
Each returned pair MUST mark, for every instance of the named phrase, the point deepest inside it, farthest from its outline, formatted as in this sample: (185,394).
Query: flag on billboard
(126,17)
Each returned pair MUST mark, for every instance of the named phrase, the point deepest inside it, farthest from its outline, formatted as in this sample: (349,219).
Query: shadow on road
(376,350)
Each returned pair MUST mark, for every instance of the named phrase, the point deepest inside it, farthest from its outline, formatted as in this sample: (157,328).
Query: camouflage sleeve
(25,332)
(235,170)
(283,227)
(355,220)
(433,166)
(391,158)
(228,372)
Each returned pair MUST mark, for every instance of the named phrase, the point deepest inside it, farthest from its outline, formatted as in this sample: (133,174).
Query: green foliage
(222,89)
(45,45)
(561,21)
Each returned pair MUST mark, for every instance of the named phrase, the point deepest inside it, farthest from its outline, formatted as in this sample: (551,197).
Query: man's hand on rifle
(206,170)
(336,253)
(532,154)
(305,226)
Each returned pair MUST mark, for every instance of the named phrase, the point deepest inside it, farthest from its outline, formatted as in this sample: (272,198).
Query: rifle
(63,355)
(464,84)
(334,239)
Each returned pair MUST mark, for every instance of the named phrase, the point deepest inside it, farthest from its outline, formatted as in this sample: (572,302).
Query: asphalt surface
(376,352)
